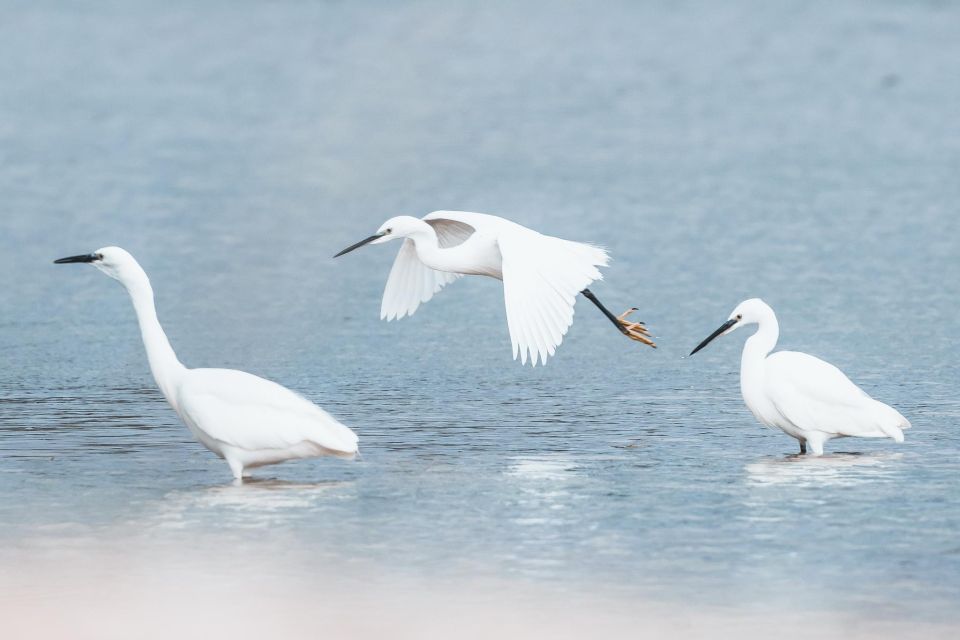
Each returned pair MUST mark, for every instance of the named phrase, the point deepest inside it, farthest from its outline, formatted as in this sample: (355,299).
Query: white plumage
(541,274)
(247,420)
(807,398)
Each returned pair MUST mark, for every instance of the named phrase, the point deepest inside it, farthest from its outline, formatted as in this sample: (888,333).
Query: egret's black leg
(633,330)
(803,446)
(592,298)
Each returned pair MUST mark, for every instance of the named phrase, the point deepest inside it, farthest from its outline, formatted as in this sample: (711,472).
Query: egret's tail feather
(893,423)
(343,455)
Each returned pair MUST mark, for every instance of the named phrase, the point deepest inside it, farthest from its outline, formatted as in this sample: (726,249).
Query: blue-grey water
(803,152)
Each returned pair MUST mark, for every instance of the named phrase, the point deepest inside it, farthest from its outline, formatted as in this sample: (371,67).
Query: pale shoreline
(99,591)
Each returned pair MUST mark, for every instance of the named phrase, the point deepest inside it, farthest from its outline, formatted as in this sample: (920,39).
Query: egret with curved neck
(541,274)
(244,419)
(805,397)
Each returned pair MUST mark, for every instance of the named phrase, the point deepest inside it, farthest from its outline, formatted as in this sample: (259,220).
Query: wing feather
(814,394)
(450,232)
(410,284)
(248,412)
(542,276)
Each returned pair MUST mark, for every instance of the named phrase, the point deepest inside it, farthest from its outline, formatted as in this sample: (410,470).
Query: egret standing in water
(805,397)
(541,275)
(244,419)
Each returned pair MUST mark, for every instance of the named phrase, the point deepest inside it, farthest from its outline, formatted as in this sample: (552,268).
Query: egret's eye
(739,316)
(388,231)
(98,256)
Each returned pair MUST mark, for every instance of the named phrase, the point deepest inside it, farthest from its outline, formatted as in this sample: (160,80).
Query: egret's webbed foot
(633,330)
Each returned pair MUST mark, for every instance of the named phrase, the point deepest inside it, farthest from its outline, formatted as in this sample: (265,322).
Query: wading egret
(541,274)
(805,397)
(244,419)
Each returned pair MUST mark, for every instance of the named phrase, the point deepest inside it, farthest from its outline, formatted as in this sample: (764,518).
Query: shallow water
(806,153)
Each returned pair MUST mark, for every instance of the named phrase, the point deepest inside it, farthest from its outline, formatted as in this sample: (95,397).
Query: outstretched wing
(542,276)
(814,394)
(248,412)
(411,283)
(450,232)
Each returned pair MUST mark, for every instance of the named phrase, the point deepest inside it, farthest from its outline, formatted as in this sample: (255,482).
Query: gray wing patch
(450,233)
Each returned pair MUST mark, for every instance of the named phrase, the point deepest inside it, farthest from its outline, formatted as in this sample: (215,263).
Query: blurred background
(802,152)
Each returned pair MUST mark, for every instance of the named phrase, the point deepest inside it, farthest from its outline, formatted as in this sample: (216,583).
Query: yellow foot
(635,330)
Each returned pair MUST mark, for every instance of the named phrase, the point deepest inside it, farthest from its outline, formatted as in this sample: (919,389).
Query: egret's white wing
(410,284)
(542,276)
(248,412)
(815,395)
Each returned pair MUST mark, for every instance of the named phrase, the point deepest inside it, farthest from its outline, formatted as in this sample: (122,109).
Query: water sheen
(806,153)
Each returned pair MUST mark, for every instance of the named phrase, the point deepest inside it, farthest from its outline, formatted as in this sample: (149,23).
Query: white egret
(541,274)
(244,419)
(805,397)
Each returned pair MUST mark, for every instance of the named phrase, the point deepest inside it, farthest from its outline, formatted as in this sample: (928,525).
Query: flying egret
(541,274)
(805,397)
(244,419)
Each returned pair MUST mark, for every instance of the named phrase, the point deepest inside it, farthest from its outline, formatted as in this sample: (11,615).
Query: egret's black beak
(87,257)
(361,243)
(726,325)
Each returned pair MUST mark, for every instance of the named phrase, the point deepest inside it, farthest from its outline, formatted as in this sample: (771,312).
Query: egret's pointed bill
(86,257)
(360,244)
(726,325)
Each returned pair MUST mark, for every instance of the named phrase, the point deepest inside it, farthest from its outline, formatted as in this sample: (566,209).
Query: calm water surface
(807,153)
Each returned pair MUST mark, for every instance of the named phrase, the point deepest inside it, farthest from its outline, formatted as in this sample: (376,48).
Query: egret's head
(113,261)
(750,311)
(398,227)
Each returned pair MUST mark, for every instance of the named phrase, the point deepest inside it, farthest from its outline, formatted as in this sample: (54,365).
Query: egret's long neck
(164,365)
(428,246)
(755,352)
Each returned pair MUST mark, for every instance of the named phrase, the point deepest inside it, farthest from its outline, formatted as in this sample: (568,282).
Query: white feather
(410,284)
(542,276)
(815,395)
(250,413)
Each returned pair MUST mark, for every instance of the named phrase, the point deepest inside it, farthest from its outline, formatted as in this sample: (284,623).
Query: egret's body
(541,274)
(805,397)
(244,419)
